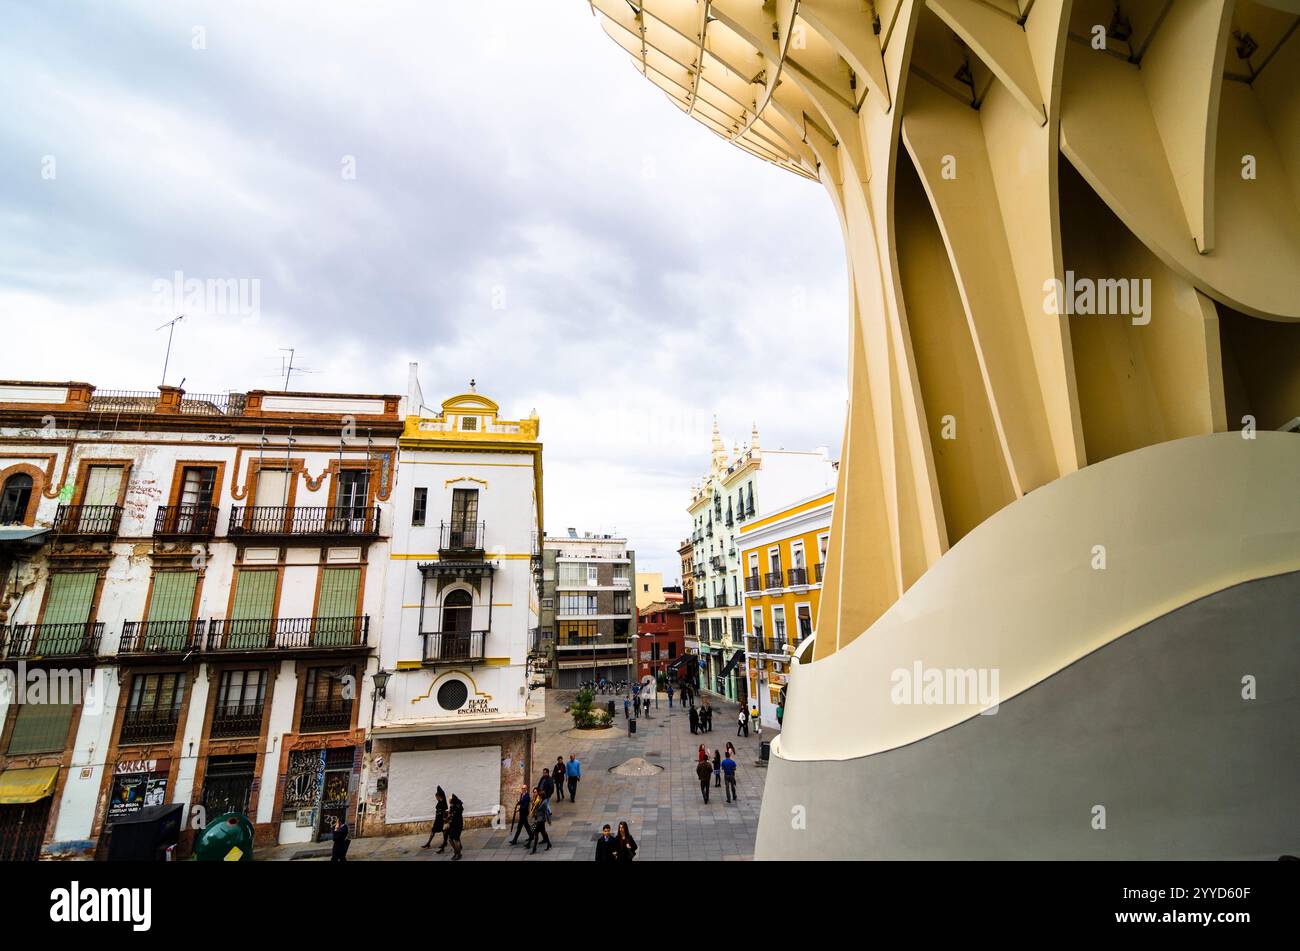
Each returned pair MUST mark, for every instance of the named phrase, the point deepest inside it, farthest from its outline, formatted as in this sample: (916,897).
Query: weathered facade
(202,575)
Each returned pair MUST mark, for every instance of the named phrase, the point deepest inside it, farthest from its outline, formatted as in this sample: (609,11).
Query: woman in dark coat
(717,770)
(455,824)
(439,821)
(694,718)
(624,844)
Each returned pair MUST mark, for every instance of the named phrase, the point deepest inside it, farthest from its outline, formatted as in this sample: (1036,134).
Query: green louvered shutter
(171,607)
(250,618)
(41,728)
(71,595)
(336,606)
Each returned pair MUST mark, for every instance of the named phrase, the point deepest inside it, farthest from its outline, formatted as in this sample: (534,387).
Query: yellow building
(782,558)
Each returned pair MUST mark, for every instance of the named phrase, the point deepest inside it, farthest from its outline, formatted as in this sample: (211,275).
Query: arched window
(457,612)
(14,499)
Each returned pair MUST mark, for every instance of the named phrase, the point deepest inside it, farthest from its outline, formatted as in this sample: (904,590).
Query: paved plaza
(668,818)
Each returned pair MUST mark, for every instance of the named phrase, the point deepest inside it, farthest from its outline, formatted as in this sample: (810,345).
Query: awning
(19,786)
(11,534)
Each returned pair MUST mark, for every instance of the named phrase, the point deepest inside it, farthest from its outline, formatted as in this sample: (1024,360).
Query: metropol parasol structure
(1061,611)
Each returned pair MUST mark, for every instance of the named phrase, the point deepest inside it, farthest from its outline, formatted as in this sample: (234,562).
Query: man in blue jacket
(573,769)
(729,775)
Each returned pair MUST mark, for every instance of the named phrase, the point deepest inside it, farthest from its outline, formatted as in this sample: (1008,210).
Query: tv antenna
(287,369)
(171,329)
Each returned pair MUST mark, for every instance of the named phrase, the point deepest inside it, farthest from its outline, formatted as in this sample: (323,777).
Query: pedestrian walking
(439,820)
(780,713)
(694,718)
(701,753)
(557,772)
(539,813)
(520,819)
(729,773)
(627,703)
(625,845)
(342,839)
(647,706)
(573,771)
(455,825)
(708,717)
(547,785)
(606,847)
(742,724)
(717,770)
(729,750)
(704,772)
(670,695)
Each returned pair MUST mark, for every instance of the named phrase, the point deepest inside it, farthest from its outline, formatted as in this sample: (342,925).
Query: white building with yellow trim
(783,557)
(739,487)
(459,618)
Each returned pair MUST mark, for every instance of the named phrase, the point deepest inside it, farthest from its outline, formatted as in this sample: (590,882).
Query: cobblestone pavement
(666,813)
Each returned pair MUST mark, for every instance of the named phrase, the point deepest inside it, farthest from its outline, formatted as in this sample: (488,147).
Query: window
(804,613)
(548,602)
(41,728)
(823,543)
(577,604)
(103,484)
(197,485)
(737,628)
(71,596)
(458,612)
(778,622)
(469,423)
(352,493)
(645,587)
(419,506)
(573,632)
(753,564)
(573,574)
(464,510)
(622,602)
(672,650)
(592,577)
(796,554)
(327,699)
(241,691)
(756,619)
(153,708)
(324,684)
(774,560)
(16,496)
(620,574)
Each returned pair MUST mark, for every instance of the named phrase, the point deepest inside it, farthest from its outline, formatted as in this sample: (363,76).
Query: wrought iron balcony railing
(730,520)
(161,637)
(752,583)
(772,579)
(239,720)
(285,634)
(461,537)
(298,520)
(797,577)
(185,521)
(593,640)
(453,647)
(149,725)
(325,716)
(708,529)
(87,521)
(79,639)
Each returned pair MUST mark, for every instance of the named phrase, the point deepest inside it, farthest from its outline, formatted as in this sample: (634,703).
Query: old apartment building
(589,608)
(211,567)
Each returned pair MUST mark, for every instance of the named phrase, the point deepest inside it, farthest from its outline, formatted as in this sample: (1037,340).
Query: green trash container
(227,838)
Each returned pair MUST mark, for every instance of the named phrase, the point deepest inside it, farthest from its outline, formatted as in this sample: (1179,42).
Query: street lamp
(379,684)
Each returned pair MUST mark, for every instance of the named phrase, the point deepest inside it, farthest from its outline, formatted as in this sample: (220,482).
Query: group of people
(701,719)
(620,847)
(721,769)
(449,819)
(636,705)
(533,810)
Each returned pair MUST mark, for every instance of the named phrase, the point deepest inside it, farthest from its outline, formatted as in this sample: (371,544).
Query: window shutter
(336,606)
(71,596)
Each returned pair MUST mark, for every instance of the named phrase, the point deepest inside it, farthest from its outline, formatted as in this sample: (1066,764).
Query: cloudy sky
(486,188)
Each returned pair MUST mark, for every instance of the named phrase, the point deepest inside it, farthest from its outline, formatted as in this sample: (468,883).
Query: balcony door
(197,485)
(103,490)
(269,501)
(251,614)
(350,499)
(65,622)
(171,610)
(335,624)
(464,518)
(458,613)
(16,497)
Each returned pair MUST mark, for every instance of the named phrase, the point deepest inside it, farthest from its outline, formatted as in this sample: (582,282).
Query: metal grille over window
(453,694)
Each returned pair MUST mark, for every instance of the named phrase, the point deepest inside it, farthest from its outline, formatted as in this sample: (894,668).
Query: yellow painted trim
(786,513)
(506,465)
(447,482)
(411,556)
(409,664)
(496,661)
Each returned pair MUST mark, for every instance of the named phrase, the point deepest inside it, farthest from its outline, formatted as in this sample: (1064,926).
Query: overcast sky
(487,188)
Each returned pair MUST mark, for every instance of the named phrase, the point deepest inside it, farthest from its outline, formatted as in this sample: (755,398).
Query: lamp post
(379,688)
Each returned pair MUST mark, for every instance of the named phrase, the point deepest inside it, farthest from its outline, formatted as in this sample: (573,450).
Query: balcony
(87,521)
(594,640)
(772,580)
(717,562)
(453,647)
(752,583)
(185,521)
(149,725)
(288,634)
(297,521)
(730,521)
(161,637)
(708,530)
(798,577)
(28,641)
(239,720)
(820,567)
(325,716)
(460,538)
